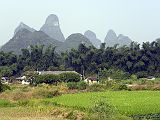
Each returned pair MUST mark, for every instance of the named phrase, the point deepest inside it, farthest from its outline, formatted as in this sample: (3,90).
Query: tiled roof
(55,72)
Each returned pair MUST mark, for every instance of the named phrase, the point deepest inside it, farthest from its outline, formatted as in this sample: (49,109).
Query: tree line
(141,61)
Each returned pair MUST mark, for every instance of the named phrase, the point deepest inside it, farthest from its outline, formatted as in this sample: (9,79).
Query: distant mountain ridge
(23,26)
(93,38)
(50,34)
(52,28)
(112,39)
(73,41)
(24,38)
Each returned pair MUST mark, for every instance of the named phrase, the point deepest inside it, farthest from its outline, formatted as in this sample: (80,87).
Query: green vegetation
(134,61)
(54,79)
(6,103)
(118,69)
(77,85)
(126,102)
(3,87)
(111,105)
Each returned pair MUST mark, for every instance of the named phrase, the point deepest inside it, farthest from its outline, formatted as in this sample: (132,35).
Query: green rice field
(126,102)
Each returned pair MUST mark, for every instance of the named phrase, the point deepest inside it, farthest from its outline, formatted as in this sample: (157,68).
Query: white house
(25,82)
(91,80)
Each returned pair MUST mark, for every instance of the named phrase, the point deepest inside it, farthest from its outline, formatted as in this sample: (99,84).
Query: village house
(91,80)
(55,72)
(23,80)
(5,80)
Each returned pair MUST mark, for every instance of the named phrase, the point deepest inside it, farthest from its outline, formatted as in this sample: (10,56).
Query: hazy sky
(138,19)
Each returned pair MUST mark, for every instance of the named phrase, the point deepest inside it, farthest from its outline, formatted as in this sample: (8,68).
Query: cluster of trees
(142,60)
(138,60)
(54,79)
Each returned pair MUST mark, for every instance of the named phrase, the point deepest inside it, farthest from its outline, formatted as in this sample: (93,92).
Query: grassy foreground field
(26,102)
(126,102)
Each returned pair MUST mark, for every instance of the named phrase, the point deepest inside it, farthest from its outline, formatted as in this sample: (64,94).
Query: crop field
(126,102)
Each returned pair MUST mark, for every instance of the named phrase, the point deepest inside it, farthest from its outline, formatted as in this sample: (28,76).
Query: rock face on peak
(93,38)
(52,28)
(124,40)
(73,41)
(111,39)
(24,38)
(23,26)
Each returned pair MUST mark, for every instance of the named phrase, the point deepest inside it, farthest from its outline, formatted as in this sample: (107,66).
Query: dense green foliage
(54,79)
(103,110)
(5,103)
(125,61)
(49,79)
(77,85)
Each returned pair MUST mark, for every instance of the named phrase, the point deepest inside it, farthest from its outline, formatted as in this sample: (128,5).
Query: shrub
(72,85)
(69,77)
(77,85)
(45,93)
(97,87)
(70,115)
(63,88)
(23,103)
(133,77)
(48,79)
(54,79)
(4,87)
(103,110)
(82,85)
(6,103)
(120,87)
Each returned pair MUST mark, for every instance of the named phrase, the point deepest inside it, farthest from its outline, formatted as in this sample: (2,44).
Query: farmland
(50,101)
(126,102)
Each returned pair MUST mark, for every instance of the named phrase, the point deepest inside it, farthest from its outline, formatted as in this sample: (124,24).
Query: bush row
(77,85)
(54,79)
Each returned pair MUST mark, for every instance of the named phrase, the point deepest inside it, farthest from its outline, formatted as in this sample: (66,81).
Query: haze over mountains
(112,39)
(50,34)
(23,26)
(73,41)
(52,28)
(93,38)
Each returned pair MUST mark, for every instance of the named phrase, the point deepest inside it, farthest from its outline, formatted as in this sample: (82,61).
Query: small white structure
(110,79)
(5,80)
(131,85)
(25,82)
(151,78)
(91,80)
(21,78)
